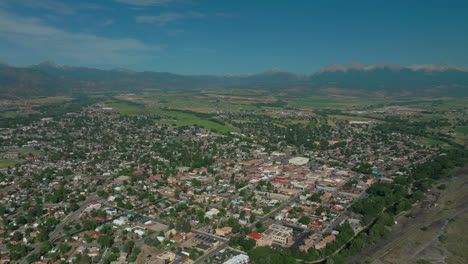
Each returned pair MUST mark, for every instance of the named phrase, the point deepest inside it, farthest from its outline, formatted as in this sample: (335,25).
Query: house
(119,222)
(323,243)
(212,212)
(93,206)
(308,243)
(255,236)
(224,231)
(167,255)
(139,232)
(11,155)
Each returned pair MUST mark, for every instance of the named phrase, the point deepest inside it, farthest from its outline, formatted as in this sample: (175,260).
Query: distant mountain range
(378,80)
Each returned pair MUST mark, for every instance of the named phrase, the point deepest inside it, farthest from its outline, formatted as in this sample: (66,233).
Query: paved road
(199,232)
(58,231)
(212,252)
(225,243)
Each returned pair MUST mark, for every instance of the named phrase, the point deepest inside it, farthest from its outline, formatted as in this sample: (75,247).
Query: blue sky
(232,36)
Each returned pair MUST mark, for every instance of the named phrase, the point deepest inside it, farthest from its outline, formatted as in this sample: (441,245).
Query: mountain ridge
(50,78)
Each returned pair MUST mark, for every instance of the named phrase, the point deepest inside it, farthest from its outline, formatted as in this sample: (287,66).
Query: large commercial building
(278,234)
(239,259)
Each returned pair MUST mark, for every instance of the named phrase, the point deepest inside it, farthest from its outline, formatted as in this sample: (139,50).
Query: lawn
(29,151)
(11,114)
(126,108)
(432,142)
(332,102)
(8,163)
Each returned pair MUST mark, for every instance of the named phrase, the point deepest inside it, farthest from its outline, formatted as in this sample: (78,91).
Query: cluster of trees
(236,227)
(380,195)
(246,244)
(57,195)
(193,253)
(18,251)
(268,255)
(131,250)
(190,153)
(154,242)
(183,225)
(105,241)
(364,168)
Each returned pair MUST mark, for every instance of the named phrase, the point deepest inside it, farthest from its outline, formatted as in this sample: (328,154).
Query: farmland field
(432,142)
(354,118)
(8,163)
(333,102)
(462,129)
(171,117)
(181,118)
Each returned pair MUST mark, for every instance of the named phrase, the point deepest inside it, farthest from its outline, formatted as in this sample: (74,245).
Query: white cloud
(51,5)
(108,22)
(168,17)
(31,37)
(145,2)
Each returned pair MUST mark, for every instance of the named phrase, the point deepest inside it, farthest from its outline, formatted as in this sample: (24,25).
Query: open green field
(333,102)
(11,114)
(8,163)
(29,152)
(462,129)
(236,92)
(50,100)
(181,119)
(209,101)
(173,117)
(432,142)
(451,104)
(349,118)
(205,102)
(126,108)
(437,105)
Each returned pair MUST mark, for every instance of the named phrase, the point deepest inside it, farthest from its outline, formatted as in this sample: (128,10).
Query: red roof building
(255,235)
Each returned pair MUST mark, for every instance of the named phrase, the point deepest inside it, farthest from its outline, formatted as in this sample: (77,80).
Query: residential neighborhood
(95,186)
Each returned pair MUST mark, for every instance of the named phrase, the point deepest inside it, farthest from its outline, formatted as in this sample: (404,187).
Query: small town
(95,186)
(233,132)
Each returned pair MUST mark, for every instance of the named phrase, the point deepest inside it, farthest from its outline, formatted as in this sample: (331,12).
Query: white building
(299,161)
(239,259)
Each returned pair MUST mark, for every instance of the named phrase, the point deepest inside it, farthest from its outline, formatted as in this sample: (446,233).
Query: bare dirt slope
(435,232)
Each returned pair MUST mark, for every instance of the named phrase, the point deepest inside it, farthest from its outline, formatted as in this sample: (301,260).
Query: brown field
(431,235)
